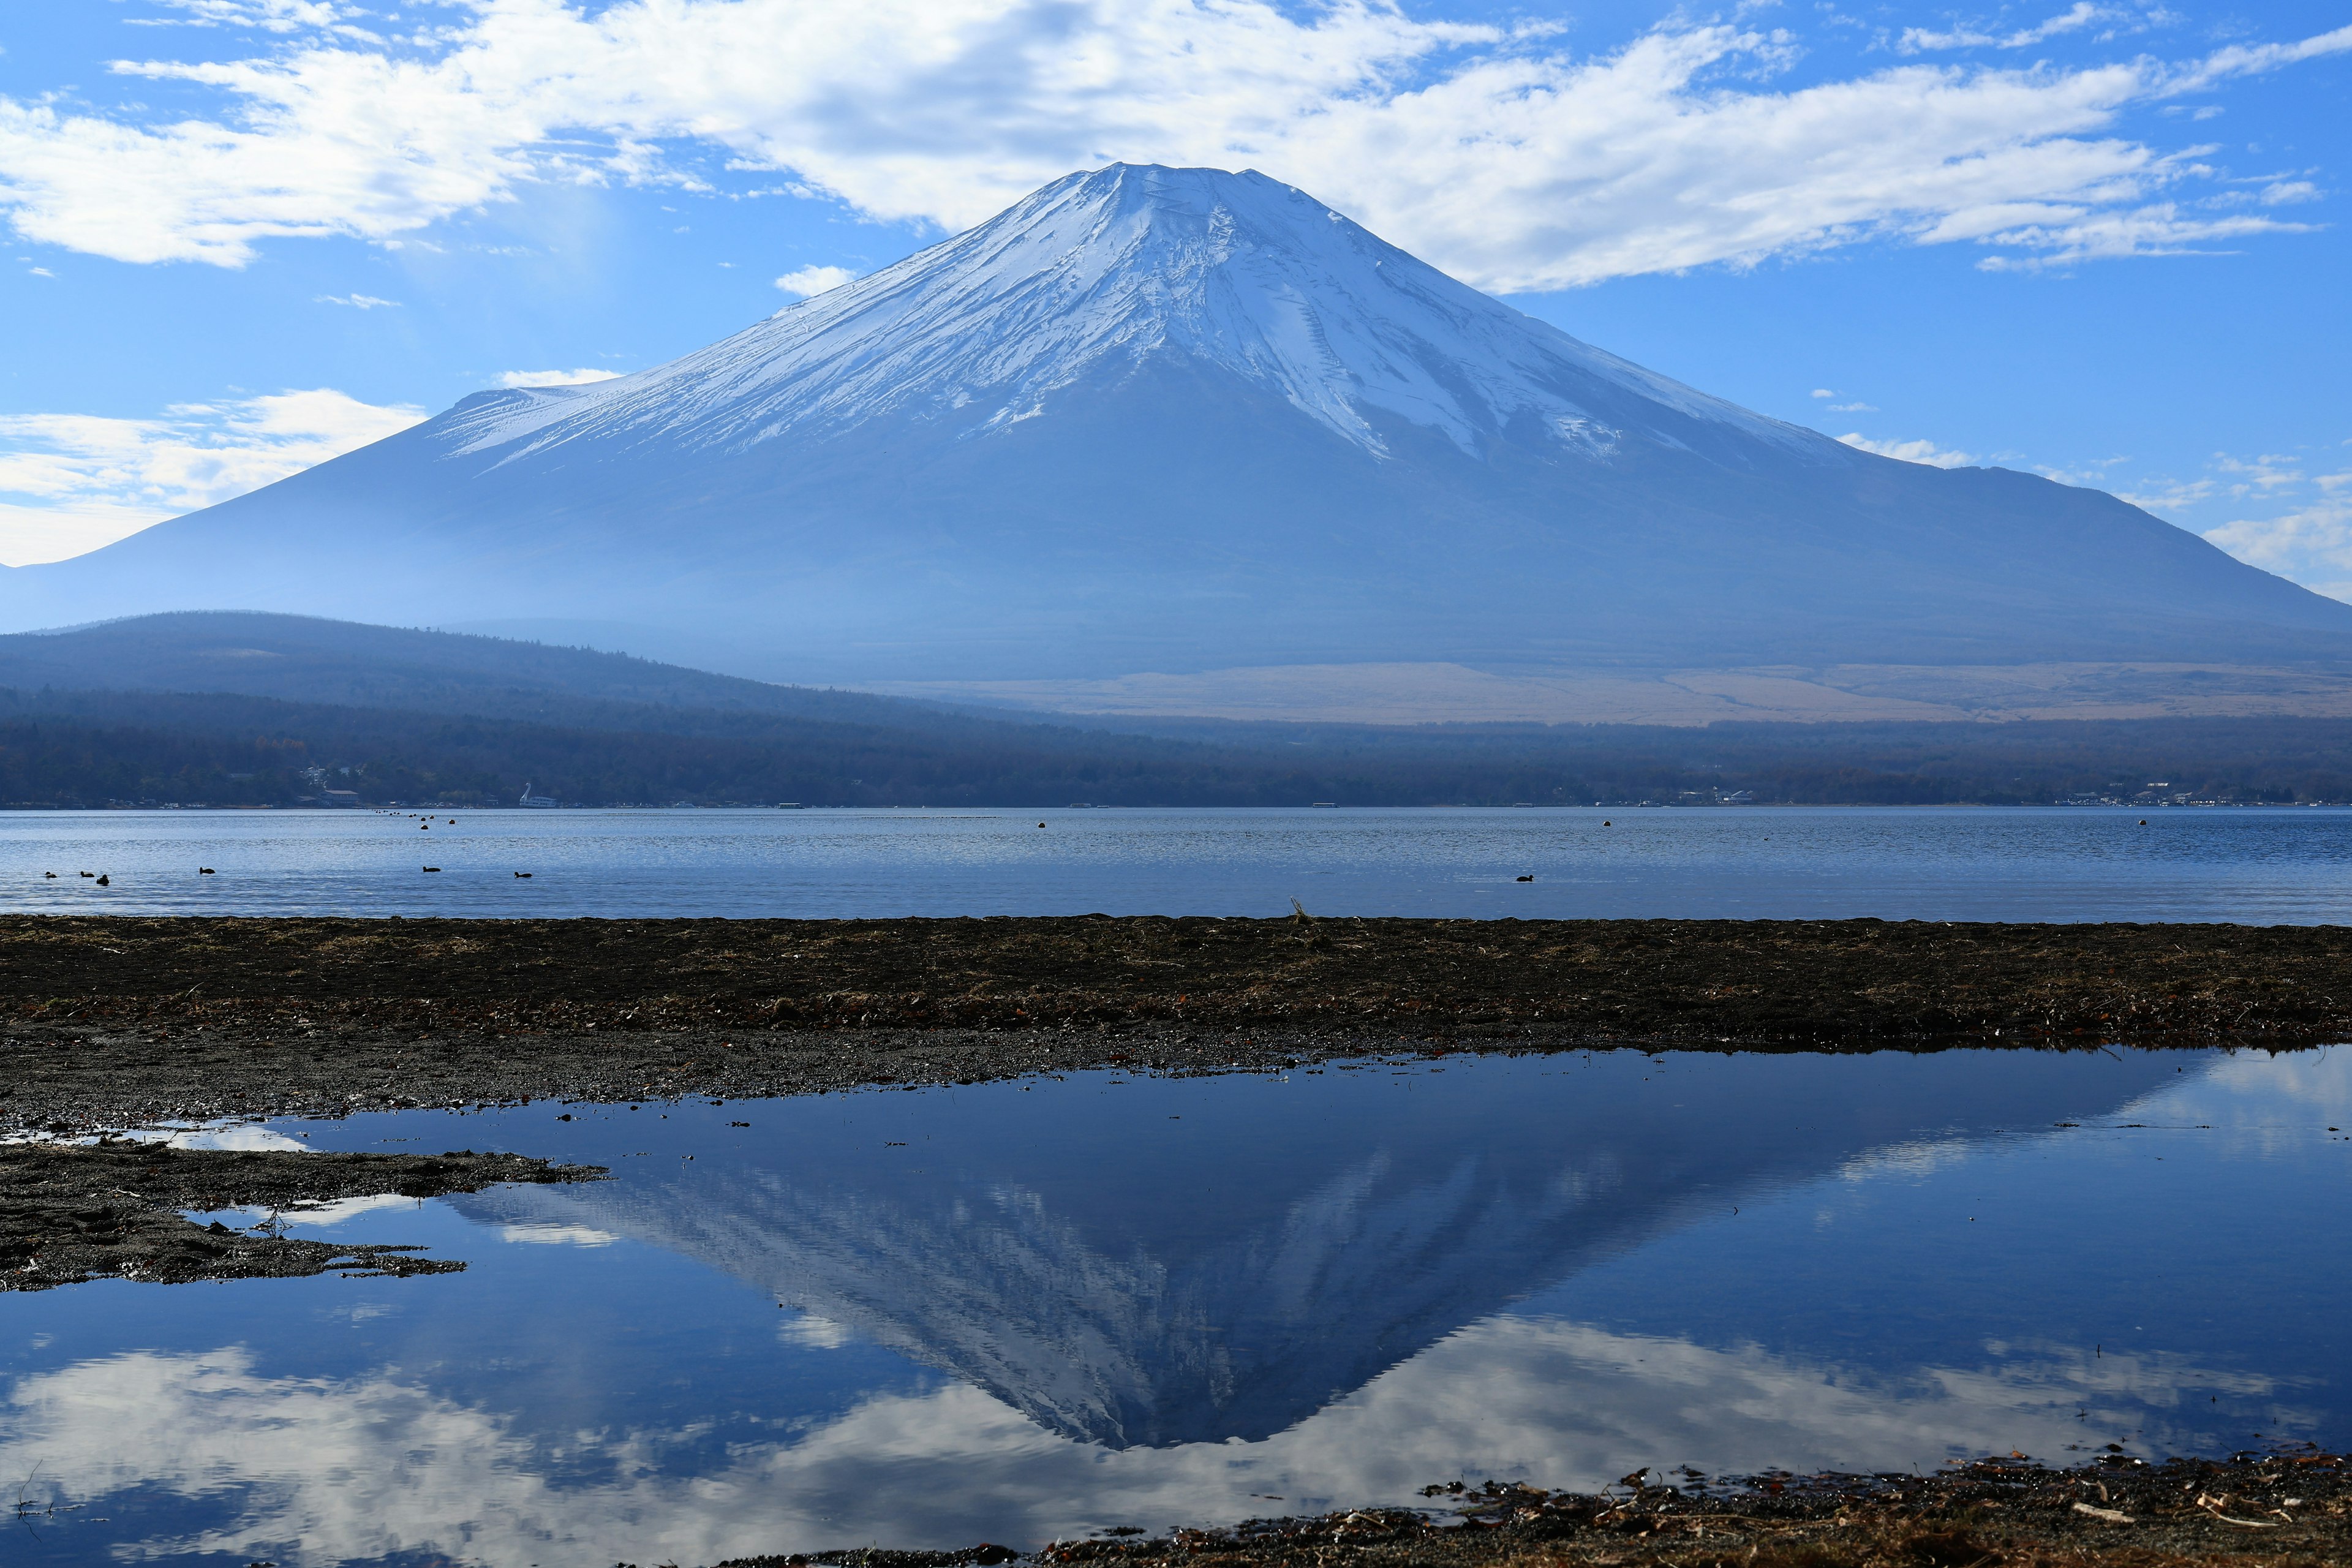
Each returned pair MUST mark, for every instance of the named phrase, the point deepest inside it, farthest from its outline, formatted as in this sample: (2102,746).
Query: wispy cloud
(813,280)
(2311,544)
(356,301)
(2081,15)
(2286,512)
(1911,451)
(1499,154)
(69,483)
(580,377)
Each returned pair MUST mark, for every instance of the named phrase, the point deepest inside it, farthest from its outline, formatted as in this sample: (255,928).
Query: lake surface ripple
(2281,866)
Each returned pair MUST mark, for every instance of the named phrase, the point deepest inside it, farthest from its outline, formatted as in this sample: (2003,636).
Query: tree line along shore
(63,749)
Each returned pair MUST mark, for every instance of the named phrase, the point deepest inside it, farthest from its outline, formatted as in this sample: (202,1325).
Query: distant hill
(303,658)
(253,710)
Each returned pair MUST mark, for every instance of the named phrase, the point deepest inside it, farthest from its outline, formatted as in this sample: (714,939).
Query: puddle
(1019,1312)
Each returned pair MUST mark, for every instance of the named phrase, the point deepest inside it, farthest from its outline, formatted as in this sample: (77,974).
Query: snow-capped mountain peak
(1106,270)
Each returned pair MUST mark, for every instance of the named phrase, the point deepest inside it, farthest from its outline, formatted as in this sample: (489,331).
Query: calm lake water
(1025,1311)
(2280,865)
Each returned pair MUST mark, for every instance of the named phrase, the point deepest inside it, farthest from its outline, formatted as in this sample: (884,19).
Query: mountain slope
(1182,420)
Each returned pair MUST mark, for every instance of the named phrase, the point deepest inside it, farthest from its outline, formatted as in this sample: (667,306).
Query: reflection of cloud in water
(314,1216)
(1366,1225)
(367,1468)
(557,1235)
(2274,1099)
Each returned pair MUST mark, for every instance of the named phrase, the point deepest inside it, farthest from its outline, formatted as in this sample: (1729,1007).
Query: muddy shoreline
(108,1022)
(2290,1507)
(117,1209)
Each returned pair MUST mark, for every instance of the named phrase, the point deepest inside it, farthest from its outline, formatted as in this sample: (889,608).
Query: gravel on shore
(2289,1508)
(113,1209)
(107,1022)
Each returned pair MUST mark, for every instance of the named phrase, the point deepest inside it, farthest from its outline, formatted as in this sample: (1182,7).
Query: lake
(1030,1310)
(2255,866)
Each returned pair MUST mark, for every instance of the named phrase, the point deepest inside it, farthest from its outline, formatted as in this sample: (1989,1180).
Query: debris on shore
(2268,1510)
(110,1022)
(117,1209)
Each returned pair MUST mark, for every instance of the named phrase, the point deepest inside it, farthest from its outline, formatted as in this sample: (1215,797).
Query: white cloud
(2311,545)
(383,1464)
(69,482)
(2161,228)
(2292,516)
(811,280)
(357,302)
(580,377)
(269,15)
(1497,153)
(1854,408)
(1823,392)
(1912,452)
(2258,476)
(2296,524)
(2279,192)
(42,272)
(557,1235)
(2166,495)
(2081,15)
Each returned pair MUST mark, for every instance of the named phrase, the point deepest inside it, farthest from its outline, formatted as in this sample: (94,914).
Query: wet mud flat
(113,1209)
(2273,1509)
(110,1021)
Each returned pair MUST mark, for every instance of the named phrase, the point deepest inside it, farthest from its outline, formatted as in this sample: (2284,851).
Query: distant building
(339,798)
(536,802)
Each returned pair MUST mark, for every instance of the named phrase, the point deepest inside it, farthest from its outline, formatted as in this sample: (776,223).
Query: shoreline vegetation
(112,1022)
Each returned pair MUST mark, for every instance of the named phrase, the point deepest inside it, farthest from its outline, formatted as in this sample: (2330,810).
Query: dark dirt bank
(111,1210)
(104,1020)
(2271,1509)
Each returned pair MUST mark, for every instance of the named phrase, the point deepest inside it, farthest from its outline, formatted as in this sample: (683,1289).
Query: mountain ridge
(1173,422)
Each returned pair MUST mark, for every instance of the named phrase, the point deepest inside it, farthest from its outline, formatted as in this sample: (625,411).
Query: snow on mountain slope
(1175,421)
(1112,268)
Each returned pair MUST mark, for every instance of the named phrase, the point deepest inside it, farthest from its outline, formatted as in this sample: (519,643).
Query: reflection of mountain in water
(1128,1278)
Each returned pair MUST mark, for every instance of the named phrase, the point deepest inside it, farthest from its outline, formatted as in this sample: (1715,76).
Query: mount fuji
(1164,423)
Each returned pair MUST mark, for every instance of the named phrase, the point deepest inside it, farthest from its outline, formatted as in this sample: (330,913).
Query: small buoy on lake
(1604,822)
(104,881)
(2143,822)
(1041,825)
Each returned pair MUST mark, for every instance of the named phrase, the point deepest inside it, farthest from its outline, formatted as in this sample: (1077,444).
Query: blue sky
(2102,239)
